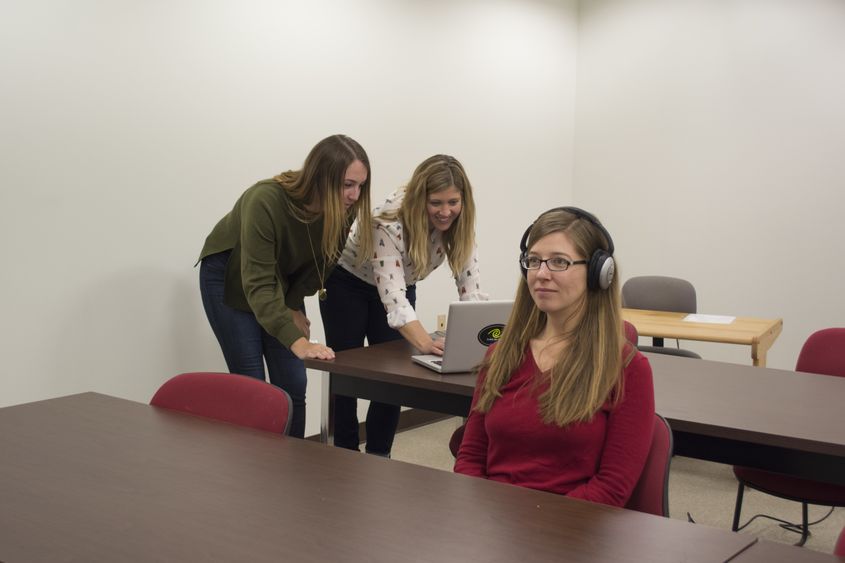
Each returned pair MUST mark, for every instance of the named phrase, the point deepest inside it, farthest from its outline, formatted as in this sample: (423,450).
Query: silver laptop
(471,328)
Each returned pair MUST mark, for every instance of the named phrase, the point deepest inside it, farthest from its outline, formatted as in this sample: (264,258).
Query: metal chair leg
(740,490)
(805,527)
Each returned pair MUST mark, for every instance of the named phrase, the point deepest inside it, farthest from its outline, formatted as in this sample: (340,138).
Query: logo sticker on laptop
(490,334)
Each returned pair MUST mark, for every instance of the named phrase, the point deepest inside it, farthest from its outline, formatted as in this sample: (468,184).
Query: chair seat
(793,488)
(669,351)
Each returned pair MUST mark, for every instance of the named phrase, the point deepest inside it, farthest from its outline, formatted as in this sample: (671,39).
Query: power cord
(787,525)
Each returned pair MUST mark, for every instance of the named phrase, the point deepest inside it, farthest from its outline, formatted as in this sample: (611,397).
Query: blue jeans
(351,312)
(246,345)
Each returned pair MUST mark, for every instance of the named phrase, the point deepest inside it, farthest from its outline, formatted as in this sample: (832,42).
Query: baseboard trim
(408,419)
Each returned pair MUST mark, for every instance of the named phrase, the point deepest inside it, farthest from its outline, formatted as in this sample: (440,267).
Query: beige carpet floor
(705,490)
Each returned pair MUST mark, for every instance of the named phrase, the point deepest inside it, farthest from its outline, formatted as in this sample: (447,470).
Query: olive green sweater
(271,269)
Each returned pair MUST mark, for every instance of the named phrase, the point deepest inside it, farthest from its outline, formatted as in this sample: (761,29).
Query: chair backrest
(631,334)
(659,293)
(456,439)
(840,544)
(651,493)
(823,352)
(236,399)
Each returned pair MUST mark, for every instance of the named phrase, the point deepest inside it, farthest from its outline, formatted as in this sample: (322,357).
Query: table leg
(758,356)
(326,409)
(760,346)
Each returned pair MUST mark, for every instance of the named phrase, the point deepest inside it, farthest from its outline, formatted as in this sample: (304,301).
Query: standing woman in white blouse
(417,227)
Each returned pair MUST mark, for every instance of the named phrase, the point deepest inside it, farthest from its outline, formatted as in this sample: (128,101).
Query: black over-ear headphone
(600,268)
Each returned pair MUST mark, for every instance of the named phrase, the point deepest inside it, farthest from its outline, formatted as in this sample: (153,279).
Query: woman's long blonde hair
(588,371)
(435,174)
(320,184)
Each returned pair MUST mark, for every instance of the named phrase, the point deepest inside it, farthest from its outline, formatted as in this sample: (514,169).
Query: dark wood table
(729,413)
(94,478)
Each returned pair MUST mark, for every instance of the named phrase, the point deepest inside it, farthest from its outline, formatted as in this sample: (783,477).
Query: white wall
(129,129)
(710,139)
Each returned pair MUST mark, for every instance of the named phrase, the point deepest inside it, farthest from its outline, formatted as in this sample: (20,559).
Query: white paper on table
(713,319)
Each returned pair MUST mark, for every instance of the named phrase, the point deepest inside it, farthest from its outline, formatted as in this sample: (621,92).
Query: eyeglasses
(554,264)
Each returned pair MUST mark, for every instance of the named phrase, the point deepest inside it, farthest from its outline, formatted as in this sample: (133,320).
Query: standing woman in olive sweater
(277,246)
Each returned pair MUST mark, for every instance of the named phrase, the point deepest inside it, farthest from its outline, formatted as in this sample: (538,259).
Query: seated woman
(563,402)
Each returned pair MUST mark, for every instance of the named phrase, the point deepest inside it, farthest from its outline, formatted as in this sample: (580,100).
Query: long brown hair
(435,174)
(588,371)
(320,184)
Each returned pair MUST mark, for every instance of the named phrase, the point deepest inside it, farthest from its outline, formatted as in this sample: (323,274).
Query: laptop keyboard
(438,362)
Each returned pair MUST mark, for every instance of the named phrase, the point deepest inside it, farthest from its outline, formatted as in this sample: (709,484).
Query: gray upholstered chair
(660,293)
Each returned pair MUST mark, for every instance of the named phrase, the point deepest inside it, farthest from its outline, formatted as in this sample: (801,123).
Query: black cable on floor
(787,525)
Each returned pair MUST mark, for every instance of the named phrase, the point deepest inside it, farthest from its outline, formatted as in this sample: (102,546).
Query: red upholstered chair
(840,544)
(456,439)
(631,334)
(824,353)
(651,493)
(237,399)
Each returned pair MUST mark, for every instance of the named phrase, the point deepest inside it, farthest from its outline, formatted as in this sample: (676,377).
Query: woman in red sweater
(563,403)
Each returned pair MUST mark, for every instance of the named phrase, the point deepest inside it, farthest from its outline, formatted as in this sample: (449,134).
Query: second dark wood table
(729,413)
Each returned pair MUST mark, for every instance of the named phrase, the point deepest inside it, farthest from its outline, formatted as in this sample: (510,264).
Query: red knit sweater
(599,461)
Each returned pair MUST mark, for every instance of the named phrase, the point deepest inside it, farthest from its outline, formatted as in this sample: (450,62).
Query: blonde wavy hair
(436,174)
(588,371)
(320,184)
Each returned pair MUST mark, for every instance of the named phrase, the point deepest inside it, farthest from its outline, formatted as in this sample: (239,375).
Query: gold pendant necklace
(321,295)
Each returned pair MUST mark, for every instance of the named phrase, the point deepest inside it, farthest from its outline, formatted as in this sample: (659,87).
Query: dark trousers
(351,312)
(246,345)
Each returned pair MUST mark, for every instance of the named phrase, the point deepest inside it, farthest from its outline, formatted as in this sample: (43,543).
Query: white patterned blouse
(391,271)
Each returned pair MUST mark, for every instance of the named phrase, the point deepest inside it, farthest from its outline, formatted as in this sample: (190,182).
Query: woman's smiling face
(443,208)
